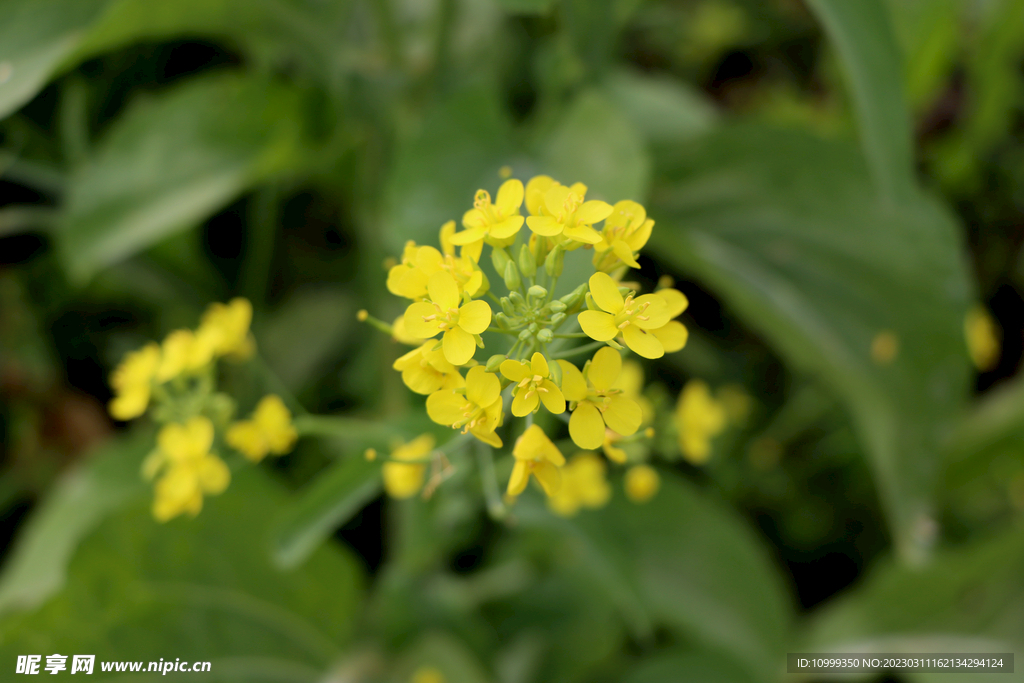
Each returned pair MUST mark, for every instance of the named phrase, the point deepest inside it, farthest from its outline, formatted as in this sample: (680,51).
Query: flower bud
(527,263)
(525,335)
(555,261)
(511,274)
(545,335)
(506,306)
(556,306)
(502,320)
(557,318)
(555,369)
(494,362)
(537,292)
(517,299)
(500,259)
(575,298)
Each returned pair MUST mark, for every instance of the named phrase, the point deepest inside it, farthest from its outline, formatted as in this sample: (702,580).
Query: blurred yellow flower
(584,485)
(476,409)
(132,382)
(983,338)
(499,222)
(535,454)
(427,674)
(410,278)
(460,324)
(225,329)
(673,335)
(404,473)
(631,318)
(642,483)
(189,468)
(597,402)
(533,386)
(269,431)
(884,347)
(426,370)
(560,210)
(698,417)
(183,351)
(625,233)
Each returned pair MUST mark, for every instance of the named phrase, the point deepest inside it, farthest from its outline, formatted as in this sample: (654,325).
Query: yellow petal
(247,438)
(200,435)
(623,415)
(507,228)
(598,325)
(613,452)
(605,292)
(625,253)
(582,233)
(586,426)
(445,237)
(130,403)
(214,476)
(604,369)
(544,225)
(402,480)
(488,437)
(523,404)
(593,211)
(552,398)
(443,290)
(514,370)
(475,316)
(675,300)
(574,386)
(535,191)
(468,236)
(482,388)
(549,477)
(642,483)
(415,325)
(539,364)
(673,336)
(458,346)
(656,312)
(510,197)
(419,448)
(445,407)
(642,343)
(520,475)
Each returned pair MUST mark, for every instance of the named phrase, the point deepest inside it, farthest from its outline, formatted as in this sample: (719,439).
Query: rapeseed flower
(625,233)
(225,328)
(630,318)
(642,483)
(405,472)
(584,485)
(535,454)
(426,370)
(533,386)
(673,334)
(498,222)
(442,313)
(561,211)
(476,409)
(269,431)
(189,470)
(698,418)
(132,382)
(596,402)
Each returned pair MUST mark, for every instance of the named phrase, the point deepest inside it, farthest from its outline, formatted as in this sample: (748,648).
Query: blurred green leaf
(82,498)
(663,110)
(928,32)
(199,588)
(597,145)
(174,159)
(687,666)
(689,564)
(789,230)
(870,56)
(304,333)
(326,504)
(444,654)
(526,6)
(996,419)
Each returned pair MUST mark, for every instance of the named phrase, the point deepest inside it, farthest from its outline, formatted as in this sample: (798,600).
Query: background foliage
(820,173)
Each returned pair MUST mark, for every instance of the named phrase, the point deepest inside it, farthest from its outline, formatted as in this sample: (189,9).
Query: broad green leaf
(688,564)
(37,566)
(929,34)
(326,504)
(174,159)
(597,145)
(663,110)
(671,667)
(202,589)
(863,37)
(790,232)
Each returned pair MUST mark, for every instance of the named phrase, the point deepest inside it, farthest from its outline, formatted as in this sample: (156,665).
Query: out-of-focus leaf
(789,230)
(172,160)
(687,563)
(326,504)
(444,654)
(970,592)
(870,56)
(460,147)
(597,145)
(928,31)
(201,588)
(663,110)
(37,566)
(304,333)
(995,420)
(687,666)
(526,6)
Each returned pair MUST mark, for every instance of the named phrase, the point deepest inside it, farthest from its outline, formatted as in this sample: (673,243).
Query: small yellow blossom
(562,211)
(189,468)
(427,674)
(533,385)
(498,222)
(642,483)
(597,402)
(225,328)
(460,324)
(625,233)
(410,277)
(404,474)
(183,351)
(699,418)
(535,454)
(269,431)
(673,335)
(132,382)
(583,485)
(631,383)
(631,318)
(983,338)
(476,409)
(425,370)
(884,347)
(370,454)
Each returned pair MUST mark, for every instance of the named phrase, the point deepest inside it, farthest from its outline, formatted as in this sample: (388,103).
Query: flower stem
(586,348)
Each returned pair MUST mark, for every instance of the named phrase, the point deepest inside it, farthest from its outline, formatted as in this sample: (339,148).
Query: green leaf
(442,653)
(663,110)
(202,589)
(526,6)
(684,562)
(687,666)
(790,232)
(597,145)
(326,504)
(174,159)
(864,40)
(929,34)
(81,499)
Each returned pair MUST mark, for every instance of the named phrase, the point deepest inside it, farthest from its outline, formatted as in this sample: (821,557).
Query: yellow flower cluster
(452,306)
(178,375)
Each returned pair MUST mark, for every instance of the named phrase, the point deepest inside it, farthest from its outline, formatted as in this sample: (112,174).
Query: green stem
(485,459)
(586,348)
(343,427)
(574,335)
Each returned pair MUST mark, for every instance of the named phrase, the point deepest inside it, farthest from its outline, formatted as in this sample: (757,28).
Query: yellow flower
(625,233)
(562,211)
(698,418)
(189,469)
(132,382)
(536,455)
(583,485)
(983,341)
(477,409)
(631,383)
(399,334)
(598,403)
(425,370)
(427,674)
(269,431)
(225,328)
(442,313)
(183,351)
(409,278)
(403,476)
(533,386)
(673,334)
(633,319)
(642,483)
(498,222)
